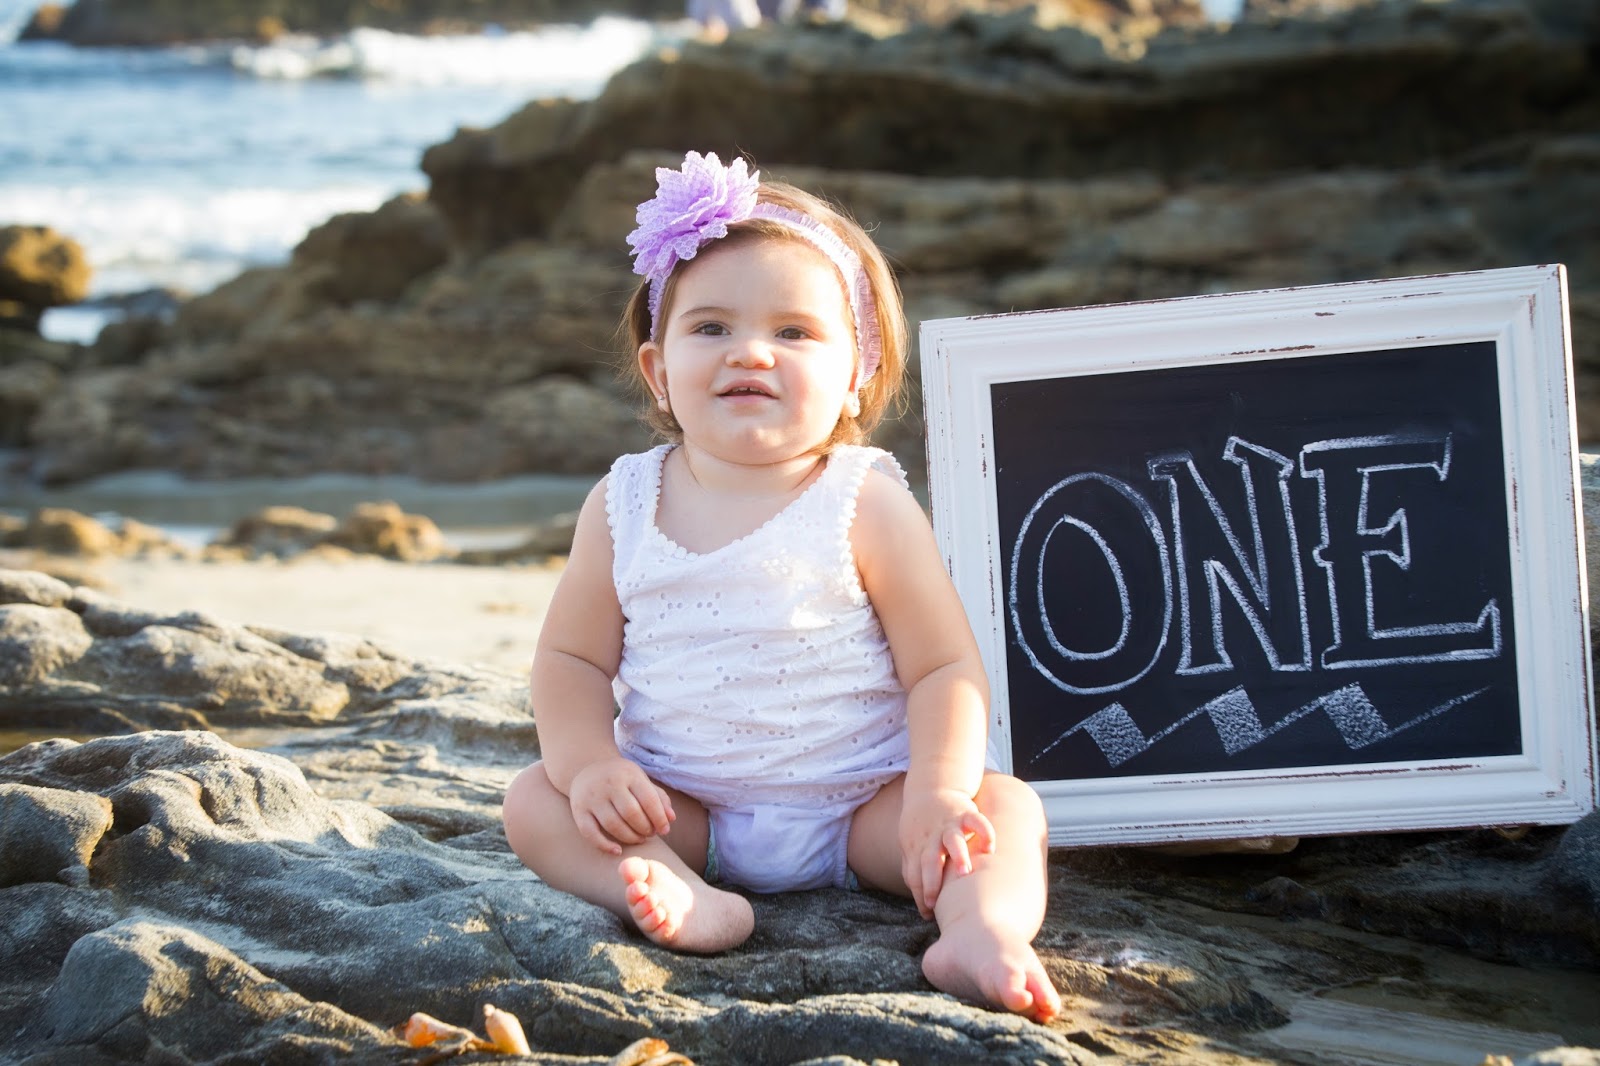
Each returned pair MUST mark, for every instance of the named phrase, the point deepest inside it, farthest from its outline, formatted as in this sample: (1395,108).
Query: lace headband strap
(697,203)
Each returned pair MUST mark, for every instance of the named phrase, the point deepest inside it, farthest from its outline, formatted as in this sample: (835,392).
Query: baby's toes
(1010,990)
(1046,1000)
(634,871)
(648,917)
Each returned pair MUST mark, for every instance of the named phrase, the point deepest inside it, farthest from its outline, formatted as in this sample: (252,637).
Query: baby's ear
(653,367)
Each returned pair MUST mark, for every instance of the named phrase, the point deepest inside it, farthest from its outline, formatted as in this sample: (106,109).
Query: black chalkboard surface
(1292,562)
(1249,565)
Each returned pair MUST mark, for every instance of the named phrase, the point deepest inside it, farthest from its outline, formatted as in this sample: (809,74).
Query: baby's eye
(793,333)
(710,329)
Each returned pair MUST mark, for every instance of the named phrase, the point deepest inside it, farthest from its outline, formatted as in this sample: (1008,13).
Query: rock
(26,586)
(66,532)
(151,22)
(283,531)
(38,641)
(313,390)
(552,537)
(536,421)
(374,255)
(20,347)
(384,529)
(147,541)
(181,893)
(263,907)
(255,302)
(79,429)
(1589,487)
(1562,1056)
(127,340)
(1576,869)
(141,22)
(82,662)
(24,387)
(62,531)
(45,22)
(1003,96)
(39,269)
(1080,153)
(138,988)
(49,834)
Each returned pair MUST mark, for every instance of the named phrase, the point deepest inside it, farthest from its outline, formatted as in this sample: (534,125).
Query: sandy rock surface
(316,853)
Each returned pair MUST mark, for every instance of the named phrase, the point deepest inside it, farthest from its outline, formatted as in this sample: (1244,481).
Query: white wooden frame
(1523,312)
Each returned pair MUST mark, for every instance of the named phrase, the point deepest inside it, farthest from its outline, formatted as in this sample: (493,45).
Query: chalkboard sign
(1281,562)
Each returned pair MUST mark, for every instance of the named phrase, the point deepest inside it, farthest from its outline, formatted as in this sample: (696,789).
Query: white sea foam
(179,167)
(557,60)
(14,15)
(1223,10)
(184,239)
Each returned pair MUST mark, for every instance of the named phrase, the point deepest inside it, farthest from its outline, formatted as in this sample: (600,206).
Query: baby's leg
(987,918)
(654,885)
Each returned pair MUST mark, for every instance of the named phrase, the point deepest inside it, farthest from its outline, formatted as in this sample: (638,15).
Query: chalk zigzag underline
(1239,726)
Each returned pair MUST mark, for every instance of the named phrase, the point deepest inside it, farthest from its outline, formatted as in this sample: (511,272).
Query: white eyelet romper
(756,678)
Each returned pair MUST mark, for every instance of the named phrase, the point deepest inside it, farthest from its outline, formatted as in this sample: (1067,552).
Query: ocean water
(179,167)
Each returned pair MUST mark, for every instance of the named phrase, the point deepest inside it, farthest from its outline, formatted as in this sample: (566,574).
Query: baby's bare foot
(987,967)
(681,915)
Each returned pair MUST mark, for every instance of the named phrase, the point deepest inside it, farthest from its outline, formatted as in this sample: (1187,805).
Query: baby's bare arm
(947,694)
(578,653)
(579,649)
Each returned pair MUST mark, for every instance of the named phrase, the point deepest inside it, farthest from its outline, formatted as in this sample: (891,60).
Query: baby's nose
(750,351)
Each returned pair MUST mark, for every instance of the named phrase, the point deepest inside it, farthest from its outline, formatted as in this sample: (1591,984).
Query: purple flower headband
(698,203)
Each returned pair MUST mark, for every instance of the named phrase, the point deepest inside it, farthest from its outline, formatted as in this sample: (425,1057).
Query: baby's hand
(940,830)
(614,802)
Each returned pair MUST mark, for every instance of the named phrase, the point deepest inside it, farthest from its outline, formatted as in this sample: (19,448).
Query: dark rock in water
(180,895)
(39,269)
(151,22)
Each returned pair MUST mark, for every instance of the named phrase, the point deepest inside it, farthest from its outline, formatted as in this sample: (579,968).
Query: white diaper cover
(780,849)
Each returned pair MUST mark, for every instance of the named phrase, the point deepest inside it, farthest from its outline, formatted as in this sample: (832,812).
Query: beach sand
(486,616)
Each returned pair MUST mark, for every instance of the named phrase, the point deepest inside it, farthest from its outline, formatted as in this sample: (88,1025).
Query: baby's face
(758,351)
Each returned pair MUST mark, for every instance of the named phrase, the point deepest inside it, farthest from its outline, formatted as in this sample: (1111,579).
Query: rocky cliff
(1007,162)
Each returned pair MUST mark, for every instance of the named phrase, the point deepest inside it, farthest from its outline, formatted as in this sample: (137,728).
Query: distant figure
(802,702)
(718,18)
(790,10)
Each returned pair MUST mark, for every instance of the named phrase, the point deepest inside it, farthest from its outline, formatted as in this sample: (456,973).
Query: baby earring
(661,401)
(852,405)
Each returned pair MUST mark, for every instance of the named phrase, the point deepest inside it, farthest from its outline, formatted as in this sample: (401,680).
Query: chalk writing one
(1248,563)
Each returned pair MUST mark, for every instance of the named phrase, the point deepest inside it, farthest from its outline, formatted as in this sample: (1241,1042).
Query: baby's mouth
(748,390)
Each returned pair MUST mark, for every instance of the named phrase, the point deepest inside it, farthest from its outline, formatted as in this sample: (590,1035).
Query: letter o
(1091,520)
